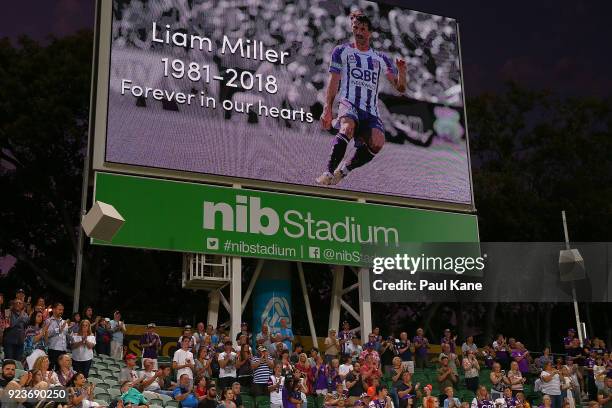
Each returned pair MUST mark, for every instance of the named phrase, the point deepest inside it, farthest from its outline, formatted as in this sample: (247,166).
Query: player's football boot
(325,179)
(340,173)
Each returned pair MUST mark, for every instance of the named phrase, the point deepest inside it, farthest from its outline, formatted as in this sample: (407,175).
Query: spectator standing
(567,384)
(243,367)
(35,344)
(277,347)
(319,376)
(189,335)
(453,360)
(275,387)
(446,376)
(14,332)
(448,338)
(345,337)
(567,341)
(3,321)
(202,363)
(286,334)
(471,369)
(404,351)
(429,401)
(291,395)
(183,361)
(82,345)
(387,353)
(103,336)
(227,364)
(499,381)
(57,330)
(382,398)
(262,367)
(502,356)
(199,336)
(73,327)
(264,337)
(150,343)
(515,378)
(421,348)
(244,331)
(118,329)
(332,346)
(544,359)
(403,390)
(377,338)
(227,399)
(551,385)
(469,345)
(521,356)
(354,349)
(236,394)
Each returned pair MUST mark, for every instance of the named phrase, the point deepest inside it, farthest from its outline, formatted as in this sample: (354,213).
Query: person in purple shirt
(291,396)
(447,339)
(345,336)
(567,341)
(421,348)
(521,356)
(319,375)
(150,344)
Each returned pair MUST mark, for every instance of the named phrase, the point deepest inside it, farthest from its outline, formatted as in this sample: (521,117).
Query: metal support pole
(365,308)
(576,311)
(336,307)
(313,332)
(236,296)
(252,283)
(213,308)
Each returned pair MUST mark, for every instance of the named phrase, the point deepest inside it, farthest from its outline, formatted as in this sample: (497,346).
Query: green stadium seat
(114,392)
(19,372)
(320,401)
(155,406)
(103,385)
(101,402)
(164,398)
(172,403)
(100,390)
(104,396)
(156,401)
(247,400)
(112,382)
(262,401)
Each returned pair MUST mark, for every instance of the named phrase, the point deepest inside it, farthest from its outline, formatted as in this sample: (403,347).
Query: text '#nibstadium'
(489,272)
(359,97)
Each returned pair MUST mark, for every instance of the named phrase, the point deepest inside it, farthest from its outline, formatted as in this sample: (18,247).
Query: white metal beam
(336,307)
(252,283)
(313,332)
(213,308)
(350,288)
(225,303)
(365,308)
(236,296)
(350,310)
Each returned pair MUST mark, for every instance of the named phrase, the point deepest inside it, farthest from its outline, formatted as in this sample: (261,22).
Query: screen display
(341,95)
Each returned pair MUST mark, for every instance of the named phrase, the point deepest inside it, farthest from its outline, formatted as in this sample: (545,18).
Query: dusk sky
(560,45)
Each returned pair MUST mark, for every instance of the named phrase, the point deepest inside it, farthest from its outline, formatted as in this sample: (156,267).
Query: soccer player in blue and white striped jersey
(355,73)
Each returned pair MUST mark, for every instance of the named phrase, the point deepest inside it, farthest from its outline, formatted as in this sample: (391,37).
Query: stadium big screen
(344,96)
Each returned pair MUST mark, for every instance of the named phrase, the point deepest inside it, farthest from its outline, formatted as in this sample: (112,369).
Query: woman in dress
(36,336)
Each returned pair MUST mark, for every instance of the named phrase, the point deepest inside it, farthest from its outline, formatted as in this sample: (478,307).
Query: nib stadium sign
(190,217)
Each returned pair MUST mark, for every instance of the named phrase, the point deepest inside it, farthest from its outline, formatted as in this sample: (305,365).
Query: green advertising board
(190,217)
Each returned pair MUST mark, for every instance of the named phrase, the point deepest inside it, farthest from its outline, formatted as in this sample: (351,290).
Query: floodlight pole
(576,311)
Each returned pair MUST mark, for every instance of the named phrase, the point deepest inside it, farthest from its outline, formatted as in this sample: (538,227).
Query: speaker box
(102,221)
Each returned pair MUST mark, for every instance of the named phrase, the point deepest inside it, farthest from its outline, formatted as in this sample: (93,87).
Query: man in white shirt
(227,364)
(345,368)
(183,360)
(148,377)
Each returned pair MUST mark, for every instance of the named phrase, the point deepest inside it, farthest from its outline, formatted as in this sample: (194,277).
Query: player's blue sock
(338,151)
(362,155)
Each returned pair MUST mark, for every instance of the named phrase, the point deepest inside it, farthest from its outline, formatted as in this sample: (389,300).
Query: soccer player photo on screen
(355,74)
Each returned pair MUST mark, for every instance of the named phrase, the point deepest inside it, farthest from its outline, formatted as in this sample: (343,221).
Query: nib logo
(246,216)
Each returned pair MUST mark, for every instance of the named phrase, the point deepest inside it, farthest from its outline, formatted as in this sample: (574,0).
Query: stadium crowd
(209,369)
